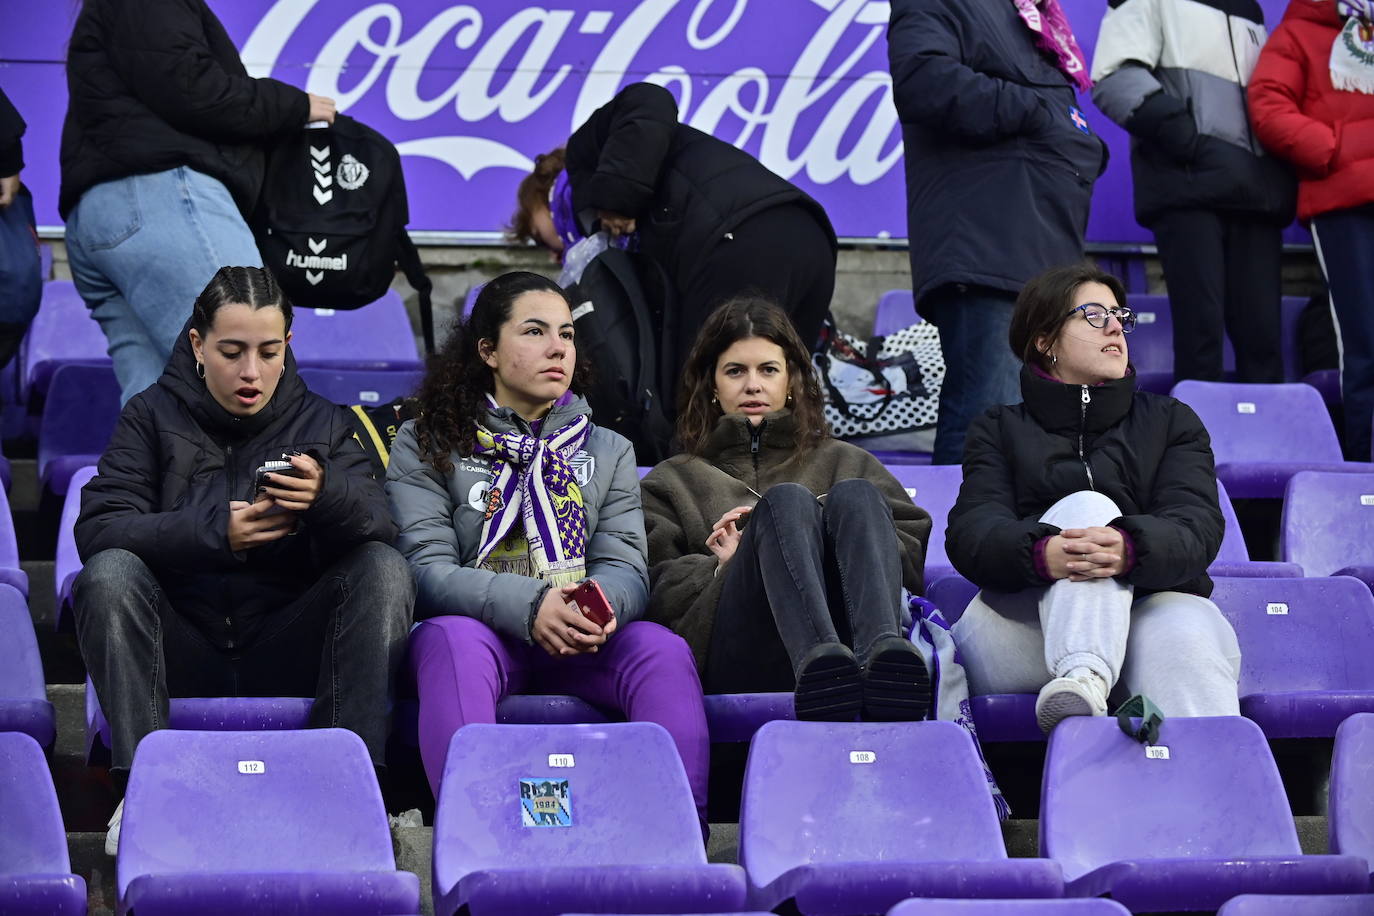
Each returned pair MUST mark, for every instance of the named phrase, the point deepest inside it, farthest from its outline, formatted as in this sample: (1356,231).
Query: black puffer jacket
(684,188)
(1149,453)
(11,142)
(177,459)
(998,173)
(156,84)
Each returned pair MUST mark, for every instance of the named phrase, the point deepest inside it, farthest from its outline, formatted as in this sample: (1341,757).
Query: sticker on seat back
(545,803)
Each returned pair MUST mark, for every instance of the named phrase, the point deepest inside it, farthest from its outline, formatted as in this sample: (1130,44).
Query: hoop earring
(200,369)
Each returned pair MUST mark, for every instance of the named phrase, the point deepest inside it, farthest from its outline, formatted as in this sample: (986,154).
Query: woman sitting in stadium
(1088,516)
(205,576)
(508,497)
(779,553)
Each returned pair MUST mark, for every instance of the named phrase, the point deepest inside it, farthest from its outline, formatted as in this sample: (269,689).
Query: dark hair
(1044,303)
(740,319)
(453,394)
(533,194)
(254,287)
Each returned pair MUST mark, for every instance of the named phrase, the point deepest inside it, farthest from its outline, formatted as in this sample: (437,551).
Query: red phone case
(591,601)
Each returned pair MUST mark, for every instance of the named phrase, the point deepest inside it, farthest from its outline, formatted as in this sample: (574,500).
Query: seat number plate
(863,757)
(252,767)
(561,760)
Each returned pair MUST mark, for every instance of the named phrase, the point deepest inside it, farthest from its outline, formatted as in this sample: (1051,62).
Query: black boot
(896,685)
(828,685)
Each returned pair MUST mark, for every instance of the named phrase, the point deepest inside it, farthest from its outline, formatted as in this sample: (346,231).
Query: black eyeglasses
(1096,314)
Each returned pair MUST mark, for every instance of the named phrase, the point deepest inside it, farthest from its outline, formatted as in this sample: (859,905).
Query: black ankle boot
(828,684)
(896,685)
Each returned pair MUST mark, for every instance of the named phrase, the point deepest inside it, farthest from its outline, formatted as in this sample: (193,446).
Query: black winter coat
(157,84)
(11,142)
(998,175)
(177,458)
(1149,453)
(684,188)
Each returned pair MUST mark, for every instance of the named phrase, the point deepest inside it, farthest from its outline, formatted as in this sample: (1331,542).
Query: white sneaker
(1078,694)
(112,837)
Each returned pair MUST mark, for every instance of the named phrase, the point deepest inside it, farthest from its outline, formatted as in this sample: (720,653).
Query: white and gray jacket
(440,519)
(1173,73)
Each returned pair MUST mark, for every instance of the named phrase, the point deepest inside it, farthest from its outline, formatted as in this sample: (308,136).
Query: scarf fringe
(559,578)
(1352,59)
(1351,82)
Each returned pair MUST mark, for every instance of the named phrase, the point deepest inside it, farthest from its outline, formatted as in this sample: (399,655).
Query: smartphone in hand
(283,467)
(591,601)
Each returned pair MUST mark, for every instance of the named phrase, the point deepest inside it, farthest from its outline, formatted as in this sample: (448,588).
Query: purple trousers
(462,669)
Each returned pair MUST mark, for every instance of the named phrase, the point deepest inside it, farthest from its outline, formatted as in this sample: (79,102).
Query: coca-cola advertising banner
(471,92)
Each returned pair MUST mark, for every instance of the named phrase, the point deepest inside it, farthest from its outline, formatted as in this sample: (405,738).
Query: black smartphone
(283,468)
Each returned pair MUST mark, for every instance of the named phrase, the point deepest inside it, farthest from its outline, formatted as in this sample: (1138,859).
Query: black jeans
(806,571)
(1222,270)
(341,642)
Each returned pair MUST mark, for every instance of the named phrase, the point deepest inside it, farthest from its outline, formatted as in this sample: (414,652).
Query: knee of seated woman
(113,569)
(856,491)
(1183,620)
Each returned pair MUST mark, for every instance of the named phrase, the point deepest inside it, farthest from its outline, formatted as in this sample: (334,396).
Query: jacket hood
(181,380)
(1319,11)
(1059,407)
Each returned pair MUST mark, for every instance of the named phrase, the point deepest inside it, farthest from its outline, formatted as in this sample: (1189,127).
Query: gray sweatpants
(1175,648)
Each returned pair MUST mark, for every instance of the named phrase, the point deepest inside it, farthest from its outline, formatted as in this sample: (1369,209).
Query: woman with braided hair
(508,496)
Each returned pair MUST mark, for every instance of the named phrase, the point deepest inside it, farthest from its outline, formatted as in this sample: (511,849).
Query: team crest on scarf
(534,480)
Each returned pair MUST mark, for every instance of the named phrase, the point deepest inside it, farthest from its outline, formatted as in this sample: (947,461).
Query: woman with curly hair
(808,596)
(507,497)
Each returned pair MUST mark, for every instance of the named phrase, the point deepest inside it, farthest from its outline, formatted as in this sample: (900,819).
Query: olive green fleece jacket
(686,495)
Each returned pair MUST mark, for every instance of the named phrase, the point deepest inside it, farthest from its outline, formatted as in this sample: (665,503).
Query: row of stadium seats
(839,818)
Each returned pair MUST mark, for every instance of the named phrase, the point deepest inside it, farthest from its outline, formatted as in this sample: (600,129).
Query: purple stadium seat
(1079,907)
(5,471)
(1184,825)
(208,714)
(644,470)
(999,716)
(368,387)
(62,332)
(24,705)
(1290,313)
(896,310)
(1328,524)
(1233,559)
(617,829)
(230,822)
(836,818)
(934,488)
(1328,382)
(1264,434)
(1307,651)
(35,873)
(1298,905)
(1350,815)
(377,336)
(1151,344)
(79,416)
(10,573)
(471,298)
(68,562)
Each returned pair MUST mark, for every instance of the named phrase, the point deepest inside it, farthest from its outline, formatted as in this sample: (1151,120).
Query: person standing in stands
(1088,516)
(1312,103)
(1173,74)
(1000,165)
(508,498)
(779,553)
(161,162)
(710,215)
(203,577)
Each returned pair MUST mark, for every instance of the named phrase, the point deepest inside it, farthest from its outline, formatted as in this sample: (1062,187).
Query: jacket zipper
(1082,428)
(755,435)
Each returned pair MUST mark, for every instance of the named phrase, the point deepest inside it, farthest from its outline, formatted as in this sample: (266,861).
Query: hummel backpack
(331,221)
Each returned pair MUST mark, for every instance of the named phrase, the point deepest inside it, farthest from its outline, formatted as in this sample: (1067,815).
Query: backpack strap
(409,260)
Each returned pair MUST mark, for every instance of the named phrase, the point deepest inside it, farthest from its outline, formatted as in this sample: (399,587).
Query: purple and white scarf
(535,481)
(1352,53)
(1054,35)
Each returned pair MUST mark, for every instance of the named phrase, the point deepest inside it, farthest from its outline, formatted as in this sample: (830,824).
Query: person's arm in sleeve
(11,150)
(1275,94)
(423,510)
(684,587)
(614,159)
(617,555)
(119,506)
(161,52)
(352,507)
(986,541)
(1178,538)
(933,87)
(1129,46)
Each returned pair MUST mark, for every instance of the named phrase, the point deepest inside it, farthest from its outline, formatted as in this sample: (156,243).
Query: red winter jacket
(1328,134)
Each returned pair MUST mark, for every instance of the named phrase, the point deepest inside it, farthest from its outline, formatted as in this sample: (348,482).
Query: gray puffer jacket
(441,515)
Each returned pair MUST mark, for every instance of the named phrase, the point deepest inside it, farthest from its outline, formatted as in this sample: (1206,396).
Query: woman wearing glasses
(1088,516)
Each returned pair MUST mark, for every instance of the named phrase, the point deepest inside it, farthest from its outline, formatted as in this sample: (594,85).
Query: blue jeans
(980,370)
(142,249)
(1345,247)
